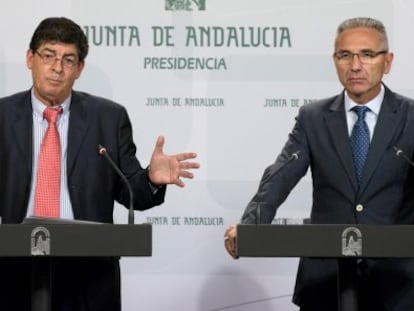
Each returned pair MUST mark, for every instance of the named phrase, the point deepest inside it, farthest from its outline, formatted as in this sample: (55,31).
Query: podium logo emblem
(352,242)
(40,242)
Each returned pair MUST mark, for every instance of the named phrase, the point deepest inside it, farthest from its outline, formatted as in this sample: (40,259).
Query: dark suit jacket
(93,184)
(386,189)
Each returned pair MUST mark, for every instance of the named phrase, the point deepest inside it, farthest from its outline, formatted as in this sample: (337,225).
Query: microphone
(293,157)
(400,153)
(102,151)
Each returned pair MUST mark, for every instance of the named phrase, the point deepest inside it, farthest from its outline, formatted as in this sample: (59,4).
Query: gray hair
(365,22)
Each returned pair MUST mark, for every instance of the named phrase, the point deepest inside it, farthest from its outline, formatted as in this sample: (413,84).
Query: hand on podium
(230,241)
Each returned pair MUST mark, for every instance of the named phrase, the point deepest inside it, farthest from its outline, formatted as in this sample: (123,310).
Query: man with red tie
(50,167)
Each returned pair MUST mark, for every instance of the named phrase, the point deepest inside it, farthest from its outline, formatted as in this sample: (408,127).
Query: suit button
(359,208)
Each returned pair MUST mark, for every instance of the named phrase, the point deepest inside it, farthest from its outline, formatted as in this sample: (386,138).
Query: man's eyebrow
(46,49)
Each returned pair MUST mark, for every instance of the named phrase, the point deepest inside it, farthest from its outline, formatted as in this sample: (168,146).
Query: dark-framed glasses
(365,56)
(48,58)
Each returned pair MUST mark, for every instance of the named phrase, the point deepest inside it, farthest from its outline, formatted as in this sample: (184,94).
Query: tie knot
(51,114)
(360,111)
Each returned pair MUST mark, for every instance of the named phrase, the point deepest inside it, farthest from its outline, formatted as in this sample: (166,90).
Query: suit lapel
(389,118)
(78,127)
(338,130)
(22,123)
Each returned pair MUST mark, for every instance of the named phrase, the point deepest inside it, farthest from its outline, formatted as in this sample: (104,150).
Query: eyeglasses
(365,57)
(68,61)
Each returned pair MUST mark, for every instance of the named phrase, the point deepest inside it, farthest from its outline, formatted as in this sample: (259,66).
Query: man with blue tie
(348,142)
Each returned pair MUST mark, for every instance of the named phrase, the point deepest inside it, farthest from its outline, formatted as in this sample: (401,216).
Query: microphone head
(101,149)
(295,155)
(398,152)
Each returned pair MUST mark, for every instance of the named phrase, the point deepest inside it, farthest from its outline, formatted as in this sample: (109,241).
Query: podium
(45,241)
(345,242)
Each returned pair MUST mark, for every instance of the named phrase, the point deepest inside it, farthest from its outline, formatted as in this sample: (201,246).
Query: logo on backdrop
(40,241)
(351,242)
(185,5)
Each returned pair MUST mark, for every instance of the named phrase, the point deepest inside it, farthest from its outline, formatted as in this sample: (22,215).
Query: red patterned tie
(47,196)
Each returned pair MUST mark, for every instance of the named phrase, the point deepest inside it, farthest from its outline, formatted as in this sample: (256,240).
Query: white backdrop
(258,89)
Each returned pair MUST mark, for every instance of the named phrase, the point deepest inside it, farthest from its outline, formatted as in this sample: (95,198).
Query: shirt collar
(38,107)
(374,105)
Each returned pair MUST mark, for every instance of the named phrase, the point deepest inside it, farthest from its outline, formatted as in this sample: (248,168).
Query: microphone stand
(102,151)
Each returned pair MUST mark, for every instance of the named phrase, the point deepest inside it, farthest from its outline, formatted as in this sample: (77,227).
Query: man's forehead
(359,37)
(59,47)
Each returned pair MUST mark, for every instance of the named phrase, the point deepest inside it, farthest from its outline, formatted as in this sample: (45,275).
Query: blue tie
(360,140)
